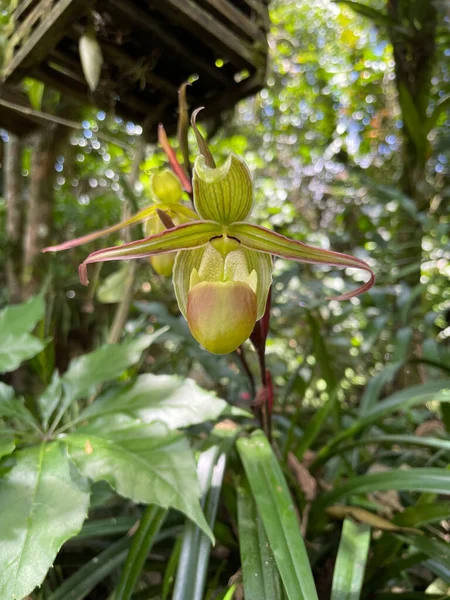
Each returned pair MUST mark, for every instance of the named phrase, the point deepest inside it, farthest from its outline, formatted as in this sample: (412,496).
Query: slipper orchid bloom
(223,266)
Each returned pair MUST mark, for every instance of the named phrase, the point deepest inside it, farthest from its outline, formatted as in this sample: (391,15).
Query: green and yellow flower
(223,267)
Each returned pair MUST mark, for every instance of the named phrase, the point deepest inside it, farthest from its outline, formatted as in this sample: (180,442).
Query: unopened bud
(166,187)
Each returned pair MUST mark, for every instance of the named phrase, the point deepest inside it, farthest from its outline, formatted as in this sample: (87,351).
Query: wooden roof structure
(149,47)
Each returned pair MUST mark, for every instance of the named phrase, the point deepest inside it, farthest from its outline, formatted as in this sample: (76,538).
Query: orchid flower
(223,267)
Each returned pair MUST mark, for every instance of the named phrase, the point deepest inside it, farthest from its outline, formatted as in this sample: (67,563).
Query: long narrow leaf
(143,540)
(414,480)
(260,573)
(351,561)
(194,555)
(278,514)
(81,583)
(405,399)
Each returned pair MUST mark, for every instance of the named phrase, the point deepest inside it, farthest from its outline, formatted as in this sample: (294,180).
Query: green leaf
(418,394)
(15,349)
(101,365)
(422,514)
(44,503)
(105,527)
(83,581)
(196,546)
(143,540)
(435,549)
(144,462)
(15,324)
(413,121)
(22,318)
(259,571)
(351,561)
(6,446)
(79,585)
(413,440)
(410,596)
(104,364)
(167,398)
(261,239)
(278,514)
(414,480)
(112,289)
(13,408)
(49,399)
(441,108)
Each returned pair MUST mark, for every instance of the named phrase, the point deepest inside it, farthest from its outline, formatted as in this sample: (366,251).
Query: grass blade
(260,574)
(278,514)
(143,540)
(414,480)
(195,549)
(81,583)
(351,561)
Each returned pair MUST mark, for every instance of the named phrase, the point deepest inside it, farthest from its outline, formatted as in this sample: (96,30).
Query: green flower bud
(221,314)
(166,187)
(161,263)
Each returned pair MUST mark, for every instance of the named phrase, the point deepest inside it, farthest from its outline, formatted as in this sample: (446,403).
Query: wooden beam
(22,7)
(141,19)
(227,44)
(43,39)
(238,19)
(260,8)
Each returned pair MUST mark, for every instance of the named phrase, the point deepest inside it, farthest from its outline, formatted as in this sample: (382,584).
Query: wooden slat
(238,18)
(260,9)
(23,29)
(141,19)
(44,38)
(22,7)
(226,43)
(10,118)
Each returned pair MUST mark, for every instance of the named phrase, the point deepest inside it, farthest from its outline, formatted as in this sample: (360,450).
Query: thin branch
(37,114)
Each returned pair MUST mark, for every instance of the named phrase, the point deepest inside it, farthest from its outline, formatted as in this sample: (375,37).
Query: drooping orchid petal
(182,237)
(139,217)
(261,239)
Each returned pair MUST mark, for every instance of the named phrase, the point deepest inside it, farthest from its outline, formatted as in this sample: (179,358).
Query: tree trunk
(47,145)
(414,59)
(14,217)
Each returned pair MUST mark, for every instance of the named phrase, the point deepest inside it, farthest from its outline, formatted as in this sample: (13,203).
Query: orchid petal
(224,194)
(140,217)
(261,239)
(262,265)
(173,160)
(182,237)
(185,262)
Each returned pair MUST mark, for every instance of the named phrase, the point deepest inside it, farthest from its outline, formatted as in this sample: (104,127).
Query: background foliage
(108,447)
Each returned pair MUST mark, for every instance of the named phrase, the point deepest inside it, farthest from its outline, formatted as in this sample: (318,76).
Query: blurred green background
(349,146)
